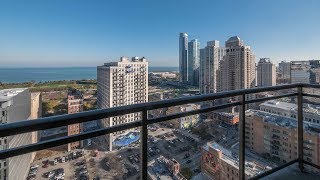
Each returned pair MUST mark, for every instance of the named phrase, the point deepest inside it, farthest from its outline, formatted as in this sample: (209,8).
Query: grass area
(51,85)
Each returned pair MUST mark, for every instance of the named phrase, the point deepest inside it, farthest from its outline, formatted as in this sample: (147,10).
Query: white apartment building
(17,105)
(300,72)
(122,83)
(310,114)
(266,73)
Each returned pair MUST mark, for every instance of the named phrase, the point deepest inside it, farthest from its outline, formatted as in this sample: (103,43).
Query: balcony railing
(64,120)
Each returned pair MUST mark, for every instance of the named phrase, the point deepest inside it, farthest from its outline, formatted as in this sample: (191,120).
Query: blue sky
(87,33)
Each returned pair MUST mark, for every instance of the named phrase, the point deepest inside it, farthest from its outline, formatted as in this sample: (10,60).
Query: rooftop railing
(64,120)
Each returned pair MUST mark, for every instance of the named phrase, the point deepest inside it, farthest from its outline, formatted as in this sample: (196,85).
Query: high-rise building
(15,106)
(122,83)
(314,63)
(36,112)
(210,56)
(284,72)
(315,76)
(238,66)
(266,73)
(300,72)
(183,57)
(193,62)
(75,105)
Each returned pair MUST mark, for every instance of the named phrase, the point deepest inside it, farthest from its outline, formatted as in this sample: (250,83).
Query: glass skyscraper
(193,62)
(183,57)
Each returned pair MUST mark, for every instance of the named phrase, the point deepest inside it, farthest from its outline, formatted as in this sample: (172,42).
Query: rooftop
(7,94)
(252,167)
(283,121)
(158,169)
(291,106)
(279,104)
(227,114)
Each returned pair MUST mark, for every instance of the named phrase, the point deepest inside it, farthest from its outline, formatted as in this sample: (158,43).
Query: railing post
(242,137)
(144,146)
(300,128)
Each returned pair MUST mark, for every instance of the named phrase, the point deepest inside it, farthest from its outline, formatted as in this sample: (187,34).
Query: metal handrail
(64,120)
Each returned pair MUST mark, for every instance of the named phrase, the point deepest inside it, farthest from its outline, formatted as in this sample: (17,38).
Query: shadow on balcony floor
(292,173)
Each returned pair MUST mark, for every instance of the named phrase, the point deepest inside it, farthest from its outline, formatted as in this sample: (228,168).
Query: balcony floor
(292,173)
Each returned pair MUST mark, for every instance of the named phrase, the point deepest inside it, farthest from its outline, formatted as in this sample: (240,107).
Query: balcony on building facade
(143,108)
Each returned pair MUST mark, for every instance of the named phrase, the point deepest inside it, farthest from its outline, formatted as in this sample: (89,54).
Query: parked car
(63,159)
(50,174)
(34,166)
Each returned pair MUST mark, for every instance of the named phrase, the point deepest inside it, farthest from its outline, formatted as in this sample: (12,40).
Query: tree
(48,107)
(87,106)
(186,172)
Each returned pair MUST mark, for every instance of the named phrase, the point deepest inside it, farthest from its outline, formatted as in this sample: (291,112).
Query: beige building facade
(274,136)
(237,66)
(266,73)
(121,83)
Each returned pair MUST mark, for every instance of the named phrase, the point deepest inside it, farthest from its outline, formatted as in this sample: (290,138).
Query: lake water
(14,75)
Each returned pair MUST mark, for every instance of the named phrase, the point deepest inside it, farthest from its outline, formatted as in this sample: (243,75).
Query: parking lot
(175,144)
(71,165)
(124,163)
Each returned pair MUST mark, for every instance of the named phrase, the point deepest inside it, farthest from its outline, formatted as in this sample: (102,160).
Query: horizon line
(75,67)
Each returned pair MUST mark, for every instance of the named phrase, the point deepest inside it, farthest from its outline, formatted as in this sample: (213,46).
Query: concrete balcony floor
(293,173)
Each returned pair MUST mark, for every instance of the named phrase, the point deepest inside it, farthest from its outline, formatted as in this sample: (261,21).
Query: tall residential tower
(266,73)
(284,72)
(122,83)
(238,66)
(183,57)
(209,62)
(193,62)
(16,105)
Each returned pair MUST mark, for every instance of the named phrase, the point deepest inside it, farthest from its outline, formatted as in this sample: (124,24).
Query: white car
(34,166)
(50,174)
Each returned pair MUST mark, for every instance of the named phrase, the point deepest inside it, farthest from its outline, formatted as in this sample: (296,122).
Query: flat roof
(158,169)
(252,167)
(7,94)
(279,104)
(283,121)
(291,106)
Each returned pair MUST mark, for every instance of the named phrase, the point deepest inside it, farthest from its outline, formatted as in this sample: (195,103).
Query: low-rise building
(166,75)
(183,122)
(219,163)
(311,114)
(75,105)
(275,136)
(230,119)
(163,168)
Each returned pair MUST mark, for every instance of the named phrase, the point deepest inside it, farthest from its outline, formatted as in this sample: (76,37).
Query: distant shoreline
(24,75)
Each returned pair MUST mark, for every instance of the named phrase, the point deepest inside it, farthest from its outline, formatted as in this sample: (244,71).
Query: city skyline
(52,34)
